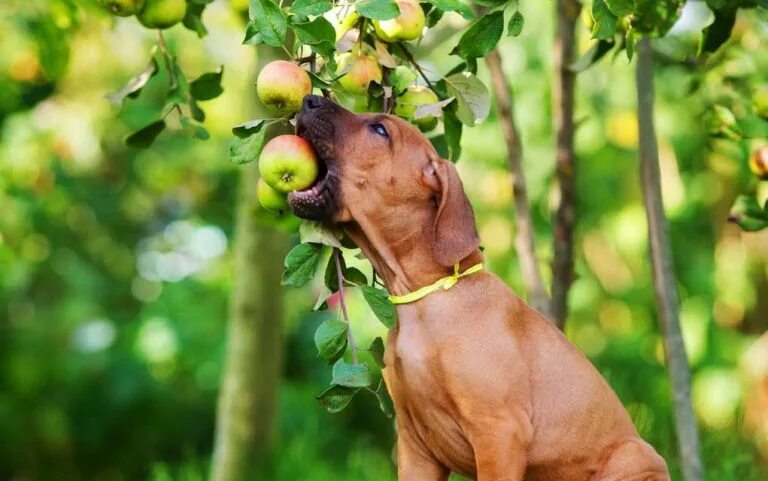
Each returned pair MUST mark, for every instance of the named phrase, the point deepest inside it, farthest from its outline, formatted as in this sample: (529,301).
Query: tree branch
(525,240)
(664,281)
(343,304)
(567,12)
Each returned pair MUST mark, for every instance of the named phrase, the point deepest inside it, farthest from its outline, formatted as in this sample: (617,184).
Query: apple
(758,162)
(271,199)
(409,25)
(345,24)
(760,102)
(282,86)
(288,163)
(162,13)
(361,71)
(122,8)
(410,100)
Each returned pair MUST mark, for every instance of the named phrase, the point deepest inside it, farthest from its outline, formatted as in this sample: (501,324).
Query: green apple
(409,25)
(345,24)
(122,8)
(410,100)
(760,102)
(758,163)
(271,199)
(288,163)
(282,86)
(162,13)
(361,70)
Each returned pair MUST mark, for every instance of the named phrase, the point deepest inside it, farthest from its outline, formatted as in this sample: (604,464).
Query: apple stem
(343,304)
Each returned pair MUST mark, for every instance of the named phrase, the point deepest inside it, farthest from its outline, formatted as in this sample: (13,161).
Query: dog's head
(380,169)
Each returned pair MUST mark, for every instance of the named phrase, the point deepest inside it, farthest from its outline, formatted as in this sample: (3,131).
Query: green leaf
(597,51)
(243,150)
(319,233)
(401,77)
(145,136)
(378,9)
(718,32)
(381,306)
(454,6)
(311,7)
(248,128)
(482,36)
(268,24)
(318,82)
(351,375)
(747,214)
(655,17)
(133,87)
(385,401)
(197,130)
(621,8)
(336,398)
(605,21)
(331,277)
(453,130)
(207,86)
(472,100)
(319,34)
(355,276)
(331,340)
(194,108)
(376,349)
(515,25)
(193,18)
(301,264)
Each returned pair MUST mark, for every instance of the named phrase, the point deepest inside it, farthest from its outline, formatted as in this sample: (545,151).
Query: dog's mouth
(320,200)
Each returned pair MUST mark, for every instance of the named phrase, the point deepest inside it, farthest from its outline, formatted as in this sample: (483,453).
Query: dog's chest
(417,379)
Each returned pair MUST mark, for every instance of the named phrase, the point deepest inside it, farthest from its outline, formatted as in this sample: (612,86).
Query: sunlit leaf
(382,307)
(605,21)
(301,264)
(385,401)
(268,24)
(311,7)
(401,77)
(482,36)
(433,109)
(351,375)
(193,18)
(331,340)
(473,101)
(133,87)
(378,9)
(747,214)
(319,233)
(243,150)
(515,25)
(454,6)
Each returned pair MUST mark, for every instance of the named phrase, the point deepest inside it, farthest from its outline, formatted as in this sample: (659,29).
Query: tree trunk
(248,395)
(525,241)
(567,12)
(664,281)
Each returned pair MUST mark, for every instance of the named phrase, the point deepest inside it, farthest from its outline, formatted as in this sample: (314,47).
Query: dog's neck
(406,263)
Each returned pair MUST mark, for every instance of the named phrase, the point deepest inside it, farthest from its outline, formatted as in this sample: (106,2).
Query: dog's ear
(455,232)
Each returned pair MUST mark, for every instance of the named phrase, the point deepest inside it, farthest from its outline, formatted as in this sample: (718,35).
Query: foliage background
(115,263)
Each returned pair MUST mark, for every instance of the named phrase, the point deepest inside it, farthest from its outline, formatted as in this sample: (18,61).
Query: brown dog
(482,384)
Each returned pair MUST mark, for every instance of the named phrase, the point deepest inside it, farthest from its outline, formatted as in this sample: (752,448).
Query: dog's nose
(312,102)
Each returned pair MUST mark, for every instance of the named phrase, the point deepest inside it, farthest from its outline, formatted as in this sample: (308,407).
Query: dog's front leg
(414,463)
(501,448)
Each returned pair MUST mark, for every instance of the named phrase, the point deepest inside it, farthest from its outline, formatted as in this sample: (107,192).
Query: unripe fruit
(282,86)
(271,199)
(760,102)
(758,162)
(364,70)
(122,8)
(410,100)
(162,13)
(288,163)
(409,25)
(345,24)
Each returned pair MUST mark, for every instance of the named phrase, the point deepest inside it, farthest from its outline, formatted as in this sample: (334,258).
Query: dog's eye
(379,129)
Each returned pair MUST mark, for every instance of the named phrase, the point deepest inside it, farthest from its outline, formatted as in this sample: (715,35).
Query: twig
(525,243)
(340,276)
(567,12)
(663,273)
(413,62)
(172,82)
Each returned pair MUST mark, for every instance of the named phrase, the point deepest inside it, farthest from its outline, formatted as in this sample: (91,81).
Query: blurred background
(116,264)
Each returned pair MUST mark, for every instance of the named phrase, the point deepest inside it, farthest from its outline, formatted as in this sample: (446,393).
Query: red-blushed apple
(409,25)
(162,13)
(123,8)
(410,100)
(361,70)
(282,85)
(288,163)
(271,199)
(758,163)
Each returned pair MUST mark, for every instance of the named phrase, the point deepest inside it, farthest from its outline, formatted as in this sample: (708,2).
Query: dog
(482,384)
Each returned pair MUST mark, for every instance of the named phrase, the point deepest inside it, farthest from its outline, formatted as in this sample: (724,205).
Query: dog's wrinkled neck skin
(406,263)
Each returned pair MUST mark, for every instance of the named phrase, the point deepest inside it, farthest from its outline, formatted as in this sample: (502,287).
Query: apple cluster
(287,163)
(158,14)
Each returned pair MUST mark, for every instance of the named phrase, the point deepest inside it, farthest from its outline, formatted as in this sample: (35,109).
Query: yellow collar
(445,283)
